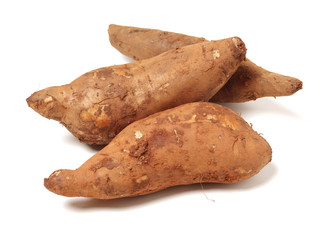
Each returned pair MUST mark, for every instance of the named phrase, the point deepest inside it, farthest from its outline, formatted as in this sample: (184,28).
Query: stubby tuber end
(113,25)
(240,48)
(296,85)
(61,182)
(46,105)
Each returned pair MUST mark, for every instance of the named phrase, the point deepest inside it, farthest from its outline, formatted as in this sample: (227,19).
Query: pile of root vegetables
(159,116)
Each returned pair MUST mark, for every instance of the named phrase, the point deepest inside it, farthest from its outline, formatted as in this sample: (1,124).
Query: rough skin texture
(192,143)
(99,104)
(143,43)
(248,83)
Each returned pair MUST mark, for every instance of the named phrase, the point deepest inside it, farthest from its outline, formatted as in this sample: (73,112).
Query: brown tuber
(193,143)
(248,83)
(99,104)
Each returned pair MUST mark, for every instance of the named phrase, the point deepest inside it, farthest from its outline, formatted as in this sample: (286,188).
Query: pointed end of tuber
(291,84)
(296,85)
(46,105)
(111,26)
(61,182)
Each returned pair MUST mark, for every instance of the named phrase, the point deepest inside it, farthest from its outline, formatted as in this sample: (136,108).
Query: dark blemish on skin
(160,137)
(120,92)
(98,112)
(139,149)
(138,30)
(212,149)
(97,181)
(128,111)
(160,120)
(109,190)
(185,125)
(104,73)
(188,116)
(106,162)
(210,176)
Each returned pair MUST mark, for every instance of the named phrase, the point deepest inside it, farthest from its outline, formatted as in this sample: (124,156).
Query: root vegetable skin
(143,43)
(193,143)
(248,83)
(99,104)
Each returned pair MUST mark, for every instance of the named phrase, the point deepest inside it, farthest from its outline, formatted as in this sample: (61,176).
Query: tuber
(99,104)
(248,83)
(193,143)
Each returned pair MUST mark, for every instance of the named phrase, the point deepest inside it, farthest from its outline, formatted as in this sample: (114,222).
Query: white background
(46,43)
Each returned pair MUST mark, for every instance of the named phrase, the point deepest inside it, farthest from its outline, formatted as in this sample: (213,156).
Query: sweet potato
(99,104)
(192,143)
(248,83)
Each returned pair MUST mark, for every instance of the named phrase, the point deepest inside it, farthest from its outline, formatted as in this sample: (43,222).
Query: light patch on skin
(139,96)
(80,132)
(126,151)
(211,117)
(95,75)
(236,41)
(230,124)
(56,173)
(48,99)
(100,120)
(103,119)
(121,72)
(192,120)
(164,86)
(85,116)
(138,134)
(242,170)
(177,136)
(67,178)
(216,53)
(141,179)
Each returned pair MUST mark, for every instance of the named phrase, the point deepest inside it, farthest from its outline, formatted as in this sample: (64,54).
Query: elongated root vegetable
(192,143)
(99,104)
(248,83)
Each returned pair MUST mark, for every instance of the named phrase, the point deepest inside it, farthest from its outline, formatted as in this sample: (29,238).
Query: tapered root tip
(113,25)
(46,105)
(297,85)
(61,182)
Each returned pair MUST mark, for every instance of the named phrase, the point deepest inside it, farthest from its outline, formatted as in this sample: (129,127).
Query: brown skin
(143,43)
(192,143)
(248,83)
(98,105)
